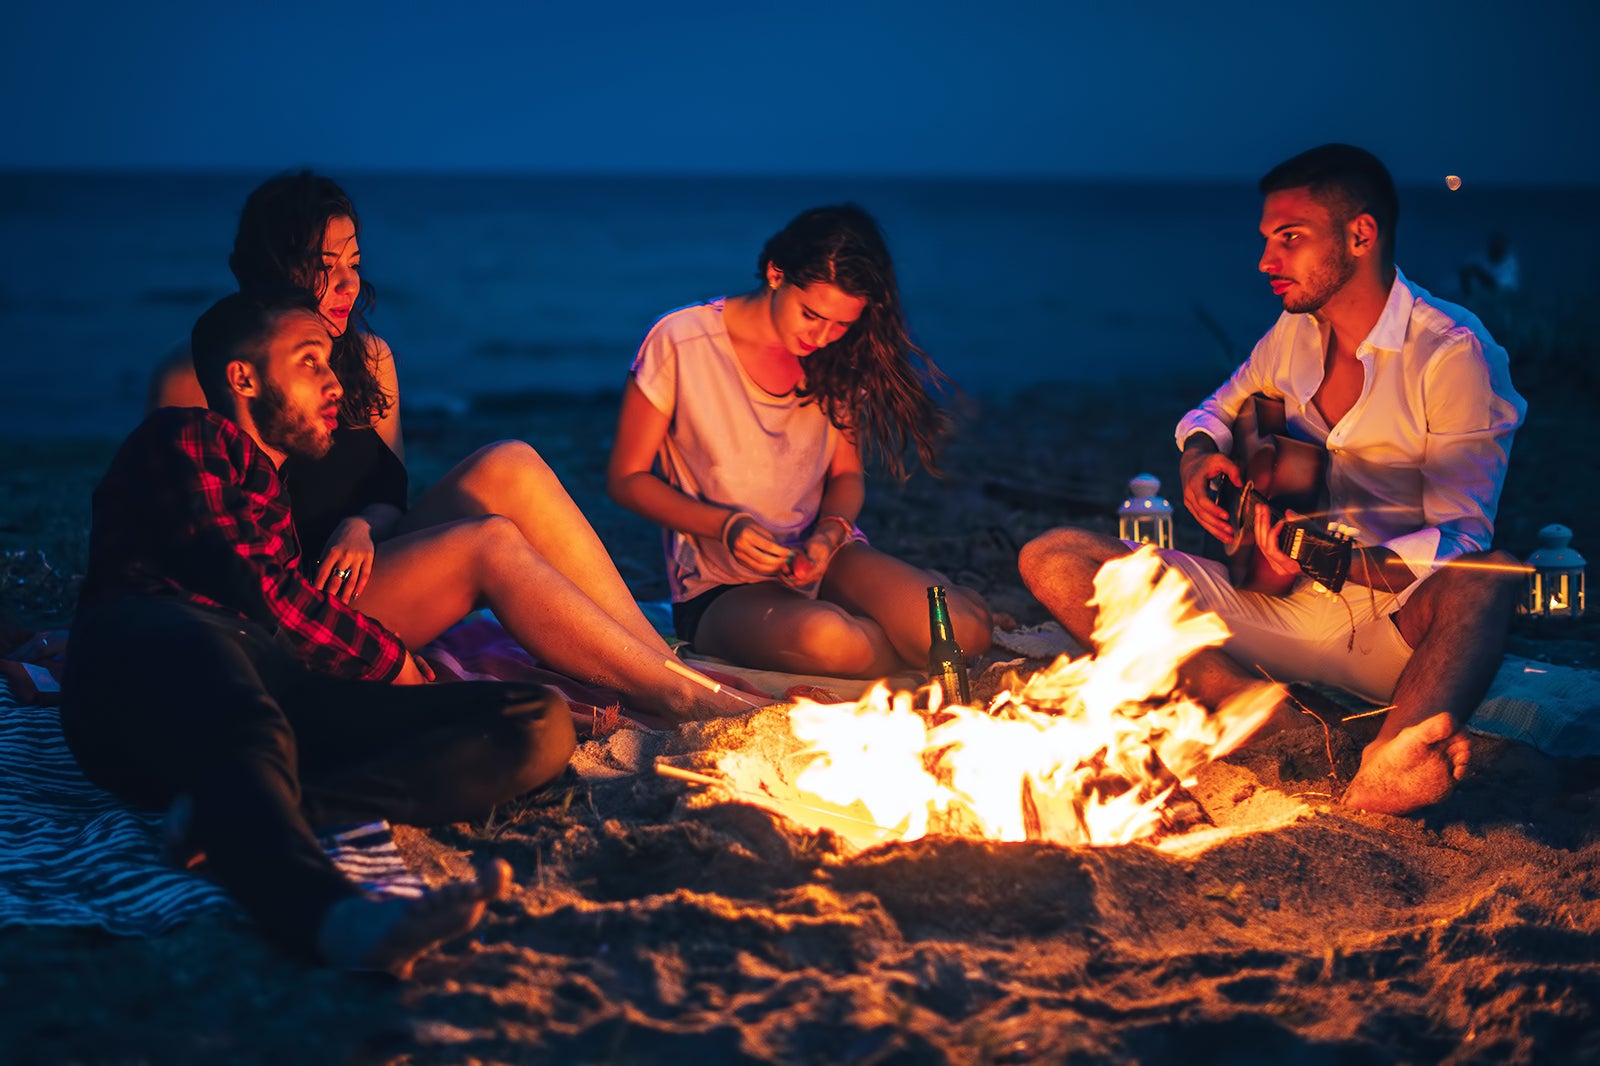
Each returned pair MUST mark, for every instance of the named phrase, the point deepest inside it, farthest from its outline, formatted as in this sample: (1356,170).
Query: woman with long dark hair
(742,433)
(420,569)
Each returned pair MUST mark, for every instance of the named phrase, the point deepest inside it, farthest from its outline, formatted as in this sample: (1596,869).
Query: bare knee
(972,621)
(504,470)
(1064,554)
(1480,586)
(1482,578)
(833,641)
(174,385)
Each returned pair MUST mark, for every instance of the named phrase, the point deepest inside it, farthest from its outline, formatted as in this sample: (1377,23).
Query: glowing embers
(1088,751)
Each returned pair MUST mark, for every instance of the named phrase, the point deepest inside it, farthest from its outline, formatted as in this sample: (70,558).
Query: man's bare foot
(388,935)
(1416,767)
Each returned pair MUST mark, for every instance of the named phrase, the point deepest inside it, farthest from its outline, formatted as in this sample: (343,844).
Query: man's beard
(1326,279)
(290,432)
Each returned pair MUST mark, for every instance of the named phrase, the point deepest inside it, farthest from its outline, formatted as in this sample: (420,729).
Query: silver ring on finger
(342,575)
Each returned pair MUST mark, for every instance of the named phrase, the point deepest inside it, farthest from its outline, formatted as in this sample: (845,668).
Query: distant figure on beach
(742,432)
(498,529)
(1496,270)
(1413,401)
(208,676)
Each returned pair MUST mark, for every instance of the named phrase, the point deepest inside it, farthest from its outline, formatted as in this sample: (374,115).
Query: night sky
(1494,91)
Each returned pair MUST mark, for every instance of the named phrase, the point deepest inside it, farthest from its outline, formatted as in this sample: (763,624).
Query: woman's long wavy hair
(279,243)
(874,382)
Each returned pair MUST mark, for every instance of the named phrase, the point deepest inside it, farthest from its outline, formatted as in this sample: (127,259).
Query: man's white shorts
(1306,635)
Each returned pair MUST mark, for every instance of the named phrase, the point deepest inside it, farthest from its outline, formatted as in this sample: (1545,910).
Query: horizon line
(930,177)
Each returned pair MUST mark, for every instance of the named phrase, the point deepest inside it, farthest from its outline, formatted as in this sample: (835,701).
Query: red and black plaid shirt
(192,508)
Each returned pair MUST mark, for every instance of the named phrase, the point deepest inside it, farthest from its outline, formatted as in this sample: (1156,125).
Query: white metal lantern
(1555,588)
(1144,516)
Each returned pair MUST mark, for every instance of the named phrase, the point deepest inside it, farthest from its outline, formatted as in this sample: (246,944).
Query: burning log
(1069,821)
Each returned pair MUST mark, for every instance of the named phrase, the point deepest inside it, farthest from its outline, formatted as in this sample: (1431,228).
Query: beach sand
(651,924)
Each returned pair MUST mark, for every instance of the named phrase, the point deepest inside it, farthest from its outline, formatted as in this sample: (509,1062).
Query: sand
(651,924)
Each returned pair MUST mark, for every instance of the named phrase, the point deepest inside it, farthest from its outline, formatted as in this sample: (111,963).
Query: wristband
(728,524)
(848,527)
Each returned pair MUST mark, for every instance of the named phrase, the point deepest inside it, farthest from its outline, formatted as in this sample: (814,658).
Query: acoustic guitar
(1279,473)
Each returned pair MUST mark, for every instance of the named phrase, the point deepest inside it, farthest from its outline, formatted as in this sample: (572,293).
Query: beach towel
(1554,708)
(480,649)
(74,855)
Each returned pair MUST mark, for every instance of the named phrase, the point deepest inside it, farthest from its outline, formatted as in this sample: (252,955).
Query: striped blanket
(71,854)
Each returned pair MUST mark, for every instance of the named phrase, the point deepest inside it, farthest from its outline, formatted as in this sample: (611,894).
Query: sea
(494,288)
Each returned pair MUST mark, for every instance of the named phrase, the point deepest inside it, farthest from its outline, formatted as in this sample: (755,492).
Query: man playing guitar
(1412,399)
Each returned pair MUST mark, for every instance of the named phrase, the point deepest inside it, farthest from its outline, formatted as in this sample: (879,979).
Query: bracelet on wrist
(843,523)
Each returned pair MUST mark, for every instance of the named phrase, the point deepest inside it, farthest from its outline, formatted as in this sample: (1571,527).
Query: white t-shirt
(730,443)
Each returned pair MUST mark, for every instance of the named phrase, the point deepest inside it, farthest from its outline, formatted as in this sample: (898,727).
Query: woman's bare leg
(770,627)
(892,592)
(425,581)
(509,478)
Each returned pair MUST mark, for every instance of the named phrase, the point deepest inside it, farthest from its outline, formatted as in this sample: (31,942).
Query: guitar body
(1289,473)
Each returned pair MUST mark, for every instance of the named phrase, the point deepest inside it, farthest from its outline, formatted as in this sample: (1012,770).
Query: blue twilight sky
(1498,92)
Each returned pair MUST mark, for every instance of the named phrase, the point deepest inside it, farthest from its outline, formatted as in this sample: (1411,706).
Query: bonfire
(1090,751)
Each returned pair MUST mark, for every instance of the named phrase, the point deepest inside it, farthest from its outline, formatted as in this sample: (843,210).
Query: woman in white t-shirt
(742,433)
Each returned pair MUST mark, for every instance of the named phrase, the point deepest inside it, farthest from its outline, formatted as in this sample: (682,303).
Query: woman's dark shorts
(686,615)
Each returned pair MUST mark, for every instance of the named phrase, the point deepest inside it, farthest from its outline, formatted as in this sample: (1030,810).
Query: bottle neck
(938,615)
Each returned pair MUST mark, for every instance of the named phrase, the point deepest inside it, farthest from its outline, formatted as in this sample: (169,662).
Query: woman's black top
(358,471)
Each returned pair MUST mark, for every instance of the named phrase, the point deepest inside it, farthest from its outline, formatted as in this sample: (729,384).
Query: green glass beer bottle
(946,664)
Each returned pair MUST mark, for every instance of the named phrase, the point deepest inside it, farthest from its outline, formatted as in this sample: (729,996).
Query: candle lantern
(1144,516)
(1555,588)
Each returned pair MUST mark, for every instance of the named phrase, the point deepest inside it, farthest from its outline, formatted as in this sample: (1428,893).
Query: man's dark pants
(161,697)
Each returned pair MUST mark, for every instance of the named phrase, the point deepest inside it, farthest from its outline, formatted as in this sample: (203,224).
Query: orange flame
(1088,751)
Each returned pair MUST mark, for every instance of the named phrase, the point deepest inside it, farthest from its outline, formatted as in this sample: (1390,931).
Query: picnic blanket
(74,855)
(71,854)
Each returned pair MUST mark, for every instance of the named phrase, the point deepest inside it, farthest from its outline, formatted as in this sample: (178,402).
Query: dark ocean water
(495,285)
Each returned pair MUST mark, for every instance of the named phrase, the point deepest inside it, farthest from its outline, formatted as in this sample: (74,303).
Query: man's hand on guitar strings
(1323,556)
(1198,468)
(1267,531)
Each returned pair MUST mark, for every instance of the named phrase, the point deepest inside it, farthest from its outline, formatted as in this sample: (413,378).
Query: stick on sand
(705,682)
(666,770)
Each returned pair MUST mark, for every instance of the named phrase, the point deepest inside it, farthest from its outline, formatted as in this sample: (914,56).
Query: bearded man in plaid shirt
(208,678)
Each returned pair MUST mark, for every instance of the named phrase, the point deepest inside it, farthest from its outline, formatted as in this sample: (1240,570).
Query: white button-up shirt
(1417,463)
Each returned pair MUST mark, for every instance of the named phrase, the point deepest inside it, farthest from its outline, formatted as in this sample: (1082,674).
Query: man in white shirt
(1413,401)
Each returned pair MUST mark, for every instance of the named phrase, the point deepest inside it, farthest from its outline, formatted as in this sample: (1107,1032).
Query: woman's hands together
(807,563)
(753,544)
(346,564)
